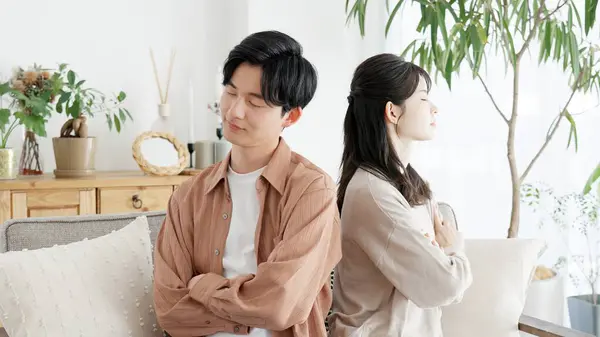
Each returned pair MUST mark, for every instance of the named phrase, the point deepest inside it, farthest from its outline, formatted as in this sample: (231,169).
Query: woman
(400,262)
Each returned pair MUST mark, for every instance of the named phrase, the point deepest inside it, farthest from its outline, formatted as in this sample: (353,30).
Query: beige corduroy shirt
(392,280)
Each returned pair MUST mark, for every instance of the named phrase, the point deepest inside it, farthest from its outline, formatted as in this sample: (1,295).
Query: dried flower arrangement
(33,90)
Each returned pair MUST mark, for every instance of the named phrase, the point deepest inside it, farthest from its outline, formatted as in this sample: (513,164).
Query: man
(248,245)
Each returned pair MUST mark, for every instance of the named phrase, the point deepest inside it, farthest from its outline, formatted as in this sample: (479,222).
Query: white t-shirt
(239,257)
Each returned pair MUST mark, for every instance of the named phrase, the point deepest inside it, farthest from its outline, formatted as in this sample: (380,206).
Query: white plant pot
(546,300)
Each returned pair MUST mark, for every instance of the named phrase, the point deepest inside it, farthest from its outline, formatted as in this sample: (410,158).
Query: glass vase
(31,161)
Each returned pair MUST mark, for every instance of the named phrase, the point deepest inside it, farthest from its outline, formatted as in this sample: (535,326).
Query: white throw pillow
(502,270)
(99,287)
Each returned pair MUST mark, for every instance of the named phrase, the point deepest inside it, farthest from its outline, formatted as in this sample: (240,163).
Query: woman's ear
(391,113)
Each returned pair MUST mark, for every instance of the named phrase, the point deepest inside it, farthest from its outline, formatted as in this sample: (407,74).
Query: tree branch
(558,7)
(552,132)
(493,100)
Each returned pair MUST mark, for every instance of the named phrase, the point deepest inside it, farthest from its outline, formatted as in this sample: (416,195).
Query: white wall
(107,43)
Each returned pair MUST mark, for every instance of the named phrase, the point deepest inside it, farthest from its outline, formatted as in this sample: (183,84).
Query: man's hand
(445,234)
(194,280)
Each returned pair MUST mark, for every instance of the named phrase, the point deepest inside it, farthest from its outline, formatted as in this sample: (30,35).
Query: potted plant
(461,35)
(8,123)
(32,91)
(75,149)
(575,218)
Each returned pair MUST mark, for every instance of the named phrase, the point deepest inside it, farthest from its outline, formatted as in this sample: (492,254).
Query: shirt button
(225,216)
(236,328)
(217,252)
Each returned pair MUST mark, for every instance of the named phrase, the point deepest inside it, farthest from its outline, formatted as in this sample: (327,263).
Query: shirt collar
(275,172)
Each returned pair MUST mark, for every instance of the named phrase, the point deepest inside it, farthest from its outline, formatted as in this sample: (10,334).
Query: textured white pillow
(502,270)
(98,287)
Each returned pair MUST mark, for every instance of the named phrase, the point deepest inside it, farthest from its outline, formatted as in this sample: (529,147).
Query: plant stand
(30,163)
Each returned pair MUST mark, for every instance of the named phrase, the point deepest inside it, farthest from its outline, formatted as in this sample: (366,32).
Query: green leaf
(577,16)
(64,98)
(570,17)
(5,88)
(392,16)
(128,114)
(510,48)
(590,14)
(408,48)
(33,122)
(117,123)
(110,122)
(122,115)
(448,70)
(4,116)
(558,43)
(451,10)
(481,33)
(80,83)
(441,23)
(546,43)
(572,131)
(591,180)
(71,77)
(574,54)
(75,109)
(121,96)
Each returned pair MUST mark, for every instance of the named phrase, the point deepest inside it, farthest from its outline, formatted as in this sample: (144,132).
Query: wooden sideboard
(103,193)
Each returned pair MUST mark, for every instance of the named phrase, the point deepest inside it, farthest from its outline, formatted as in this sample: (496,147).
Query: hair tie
(350,99)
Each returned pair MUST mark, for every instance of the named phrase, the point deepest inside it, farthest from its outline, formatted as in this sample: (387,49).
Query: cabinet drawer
(133,199)
(45,203)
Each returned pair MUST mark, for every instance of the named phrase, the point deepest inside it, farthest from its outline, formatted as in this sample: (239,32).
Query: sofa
(35,233)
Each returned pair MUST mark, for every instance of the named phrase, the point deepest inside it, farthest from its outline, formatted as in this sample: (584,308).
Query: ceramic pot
(75,157)
(583,314)
(8,164)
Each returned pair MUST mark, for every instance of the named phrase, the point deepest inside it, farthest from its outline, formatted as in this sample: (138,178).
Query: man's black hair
(288,79)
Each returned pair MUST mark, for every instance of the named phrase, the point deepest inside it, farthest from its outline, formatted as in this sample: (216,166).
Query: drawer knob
(136,201)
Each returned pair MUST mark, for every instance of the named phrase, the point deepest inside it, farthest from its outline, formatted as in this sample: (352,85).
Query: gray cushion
(35,233)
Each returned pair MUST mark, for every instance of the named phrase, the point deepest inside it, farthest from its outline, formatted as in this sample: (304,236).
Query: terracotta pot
(75,157)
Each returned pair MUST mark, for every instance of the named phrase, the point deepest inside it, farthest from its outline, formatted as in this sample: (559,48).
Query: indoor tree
(462,34)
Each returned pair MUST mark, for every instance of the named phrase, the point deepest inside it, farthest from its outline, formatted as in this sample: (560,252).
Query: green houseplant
(32,92)
(8,123)
(75,149)
(461,34)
